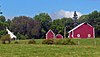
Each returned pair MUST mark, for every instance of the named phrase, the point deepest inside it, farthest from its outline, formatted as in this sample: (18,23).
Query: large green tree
(45,20)
(3,25)
(25,26)
(58,25)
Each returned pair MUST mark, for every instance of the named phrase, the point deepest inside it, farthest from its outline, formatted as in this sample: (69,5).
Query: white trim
(94,32)
(90,25)
(72,34)
(48,32)
(79,26)
(68,35)
(76,27)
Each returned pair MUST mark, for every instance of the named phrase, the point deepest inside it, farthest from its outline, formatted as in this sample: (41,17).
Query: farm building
(50,34)
(59,36)
(83,30)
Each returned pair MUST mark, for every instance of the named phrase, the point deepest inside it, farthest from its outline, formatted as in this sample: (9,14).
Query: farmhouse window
(78,35)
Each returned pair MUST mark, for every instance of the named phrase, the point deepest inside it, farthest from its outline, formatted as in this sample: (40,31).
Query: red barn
(83,30)
(59,36)
(50,34)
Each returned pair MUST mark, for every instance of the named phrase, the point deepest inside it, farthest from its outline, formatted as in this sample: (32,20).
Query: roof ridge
(77,27)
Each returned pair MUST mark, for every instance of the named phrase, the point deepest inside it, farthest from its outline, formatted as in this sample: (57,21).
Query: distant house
(11,34)
(50,34)
(59,36)
(83,30)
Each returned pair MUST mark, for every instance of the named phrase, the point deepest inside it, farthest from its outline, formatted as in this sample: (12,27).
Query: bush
(64,42)
(6,38)
(48,41)
(69,42)
(16,42)
(32,42)
(58,41)
(44,42)
(22,37)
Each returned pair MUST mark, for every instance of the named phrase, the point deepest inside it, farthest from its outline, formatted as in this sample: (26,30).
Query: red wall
(50,35)
(83,30)
(59,36)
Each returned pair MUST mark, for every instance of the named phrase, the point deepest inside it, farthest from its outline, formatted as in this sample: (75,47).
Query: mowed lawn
(86,48)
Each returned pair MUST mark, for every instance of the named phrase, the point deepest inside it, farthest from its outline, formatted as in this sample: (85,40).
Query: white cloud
(63,13)
(9,17)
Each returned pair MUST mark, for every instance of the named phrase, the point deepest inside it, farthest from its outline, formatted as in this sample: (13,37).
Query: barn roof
(49,31)
(59,35)
(79,26)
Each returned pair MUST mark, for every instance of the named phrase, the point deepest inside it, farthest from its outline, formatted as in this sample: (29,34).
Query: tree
(36,30)
(25,26)
(58,25)
(2,19)
(8,21)
(97,26)
(45,20)
(3,25)
(83,18)
(2,32)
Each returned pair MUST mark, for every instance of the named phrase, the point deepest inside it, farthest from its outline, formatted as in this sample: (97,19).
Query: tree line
(25,27)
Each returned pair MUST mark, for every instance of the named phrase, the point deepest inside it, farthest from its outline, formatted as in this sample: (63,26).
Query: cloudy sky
(55,8)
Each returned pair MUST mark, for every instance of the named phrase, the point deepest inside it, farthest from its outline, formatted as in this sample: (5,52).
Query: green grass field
(86,48)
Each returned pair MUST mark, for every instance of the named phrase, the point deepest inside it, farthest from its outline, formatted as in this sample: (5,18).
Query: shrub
(64,42)
(69,42)
(58,41)
(48,41)
(44,42)
(16,42)
(22,37)
(32,42)
(6,38)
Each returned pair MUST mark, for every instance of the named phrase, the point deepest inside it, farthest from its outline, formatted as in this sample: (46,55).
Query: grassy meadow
(85,48)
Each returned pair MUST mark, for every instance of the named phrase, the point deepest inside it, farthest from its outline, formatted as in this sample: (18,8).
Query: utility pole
(65,32)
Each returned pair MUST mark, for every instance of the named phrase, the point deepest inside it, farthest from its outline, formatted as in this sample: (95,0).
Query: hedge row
(46,41)
(59,42)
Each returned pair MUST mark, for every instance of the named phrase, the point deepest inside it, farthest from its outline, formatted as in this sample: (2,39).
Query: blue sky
(12,8)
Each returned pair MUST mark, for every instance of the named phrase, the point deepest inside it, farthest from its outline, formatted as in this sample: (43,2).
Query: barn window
(78,35)
(89,35)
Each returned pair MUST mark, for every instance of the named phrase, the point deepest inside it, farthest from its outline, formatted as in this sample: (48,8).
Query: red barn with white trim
(83,30)
(50,34)
(59,36)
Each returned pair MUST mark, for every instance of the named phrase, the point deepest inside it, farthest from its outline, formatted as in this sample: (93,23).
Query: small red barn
(50,34)
(83,30)
(59,36)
